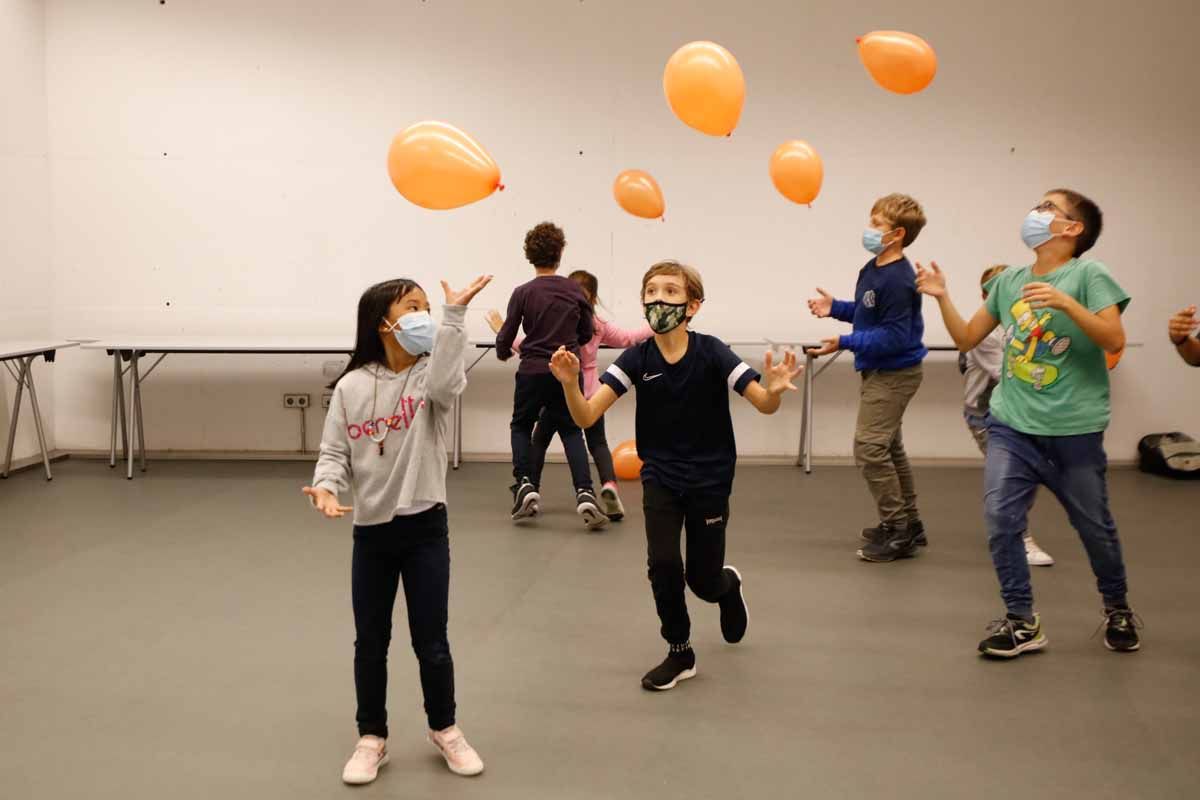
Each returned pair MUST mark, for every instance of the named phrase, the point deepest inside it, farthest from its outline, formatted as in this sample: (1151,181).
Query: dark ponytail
(373,308)
(587,281)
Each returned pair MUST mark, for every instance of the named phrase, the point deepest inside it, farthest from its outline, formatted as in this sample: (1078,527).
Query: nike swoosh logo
(646,377)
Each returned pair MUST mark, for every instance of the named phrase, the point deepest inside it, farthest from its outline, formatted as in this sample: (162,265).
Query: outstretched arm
(584,411)
(766,395)
(966,335)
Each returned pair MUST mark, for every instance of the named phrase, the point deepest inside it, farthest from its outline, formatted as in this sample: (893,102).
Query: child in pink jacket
(609,335)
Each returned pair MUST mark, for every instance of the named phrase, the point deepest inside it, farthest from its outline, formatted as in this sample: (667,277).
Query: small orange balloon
(626,463)
(438,166)
(899,62)
(1112,359)
(797,172)
(638,193)
(705,87)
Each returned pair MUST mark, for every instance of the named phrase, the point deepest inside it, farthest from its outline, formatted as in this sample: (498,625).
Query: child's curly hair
(544,245)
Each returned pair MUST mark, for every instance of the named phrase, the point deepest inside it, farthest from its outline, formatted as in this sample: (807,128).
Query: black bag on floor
(1175,455)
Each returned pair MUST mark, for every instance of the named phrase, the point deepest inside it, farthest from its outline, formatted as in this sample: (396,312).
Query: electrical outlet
(326,399)
(295,401)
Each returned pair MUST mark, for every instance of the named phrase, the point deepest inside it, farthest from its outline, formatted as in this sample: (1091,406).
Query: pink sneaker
(460,757)
(369,755)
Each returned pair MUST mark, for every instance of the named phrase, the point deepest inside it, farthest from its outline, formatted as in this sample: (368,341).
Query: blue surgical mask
(872,241)
(414,332)
(1035,230)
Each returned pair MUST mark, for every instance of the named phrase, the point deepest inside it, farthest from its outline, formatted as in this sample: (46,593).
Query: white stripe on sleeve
(620,375)
(738,371)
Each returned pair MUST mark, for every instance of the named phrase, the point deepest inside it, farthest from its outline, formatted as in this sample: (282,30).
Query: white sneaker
(1036,556)
(460,757)
(613,508)
(369,755)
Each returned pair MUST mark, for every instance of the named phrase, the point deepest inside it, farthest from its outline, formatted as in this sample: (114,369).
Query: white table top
(222,344)
(29,347)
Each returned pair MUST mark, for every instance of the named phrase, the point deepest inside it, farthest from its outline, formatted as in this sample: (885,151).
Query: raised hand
(565,366)
(464,296)
(830,345)
(494,320)
(326,502)
(1183,325)
(779,376)
(931,281)
(821,306)
(1043,295)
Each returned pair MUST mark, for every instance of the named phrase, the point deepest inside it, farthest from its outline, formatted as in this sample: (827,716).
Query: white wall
(26,283)
(218,167)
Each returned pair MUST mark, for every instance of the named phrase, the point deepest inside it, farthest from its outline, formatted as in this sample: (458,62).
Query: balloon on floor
(638,193)
(899,62)
(705,87)
(797,172)
(626,463)
(435,165)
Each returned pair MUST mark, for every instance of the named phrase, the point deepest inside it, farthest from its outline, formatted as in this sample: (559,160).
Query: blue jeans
(1074,468)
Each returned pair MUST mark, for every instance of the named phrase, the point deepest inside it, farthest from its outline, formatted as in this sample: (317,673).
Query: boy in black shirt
(685,440)
(555,314)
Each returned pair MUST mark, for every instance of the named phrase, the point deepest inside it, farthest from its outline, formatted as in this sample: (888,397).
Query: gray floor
(188,635)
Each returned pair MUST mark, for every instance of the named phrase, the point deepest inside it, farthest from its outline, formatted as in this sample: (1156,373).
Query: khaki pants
(879,445)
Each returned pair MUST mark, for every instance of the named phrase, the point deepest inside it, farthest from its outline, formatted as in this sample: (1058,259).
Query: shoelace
(1002,625)
(458,745)
(1121,618)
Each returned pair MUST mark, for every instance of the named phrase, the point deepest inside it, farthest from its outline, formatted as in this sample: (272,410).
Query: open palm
(464,296)
(779,376)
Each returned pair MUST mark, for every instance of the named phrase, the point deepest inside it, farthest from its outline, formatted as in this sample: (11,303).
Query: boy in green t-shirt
(1049,412)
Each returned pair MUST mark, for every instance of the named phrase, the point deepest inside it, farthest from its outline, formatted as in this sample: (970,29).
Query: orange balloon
(626,463)
(638,193)
(705,87)
(438,166)
(1112,359)
(899,62)
(797,172)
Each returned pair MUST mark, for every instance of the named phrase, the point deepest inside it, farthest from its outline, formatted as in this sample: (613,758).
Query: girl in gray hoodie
(385,440)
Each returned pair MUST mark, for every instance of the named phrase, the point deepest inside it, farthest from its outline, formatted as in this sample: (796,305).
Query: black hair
(373,307)
(1084,210)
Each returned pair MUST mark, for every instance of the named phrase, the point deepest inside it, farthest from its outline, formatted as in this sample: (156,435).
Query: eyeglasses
(1049,205)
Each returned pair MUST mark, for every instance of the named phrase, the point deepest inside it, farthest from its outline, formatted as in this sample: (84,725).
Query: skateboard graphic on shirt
(1030,339)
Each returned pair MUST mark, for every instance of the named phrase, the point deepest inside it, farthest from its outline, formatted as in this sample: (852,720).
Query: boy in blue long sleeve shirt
(887,347)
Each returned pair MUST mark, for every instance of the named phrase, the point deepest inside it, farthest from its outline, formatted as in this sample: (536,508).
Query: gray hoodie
(412,469)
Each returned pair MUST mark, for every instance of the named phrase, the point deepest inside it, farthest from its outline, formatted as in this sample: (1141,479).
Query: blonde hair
(903,212)
(691,278)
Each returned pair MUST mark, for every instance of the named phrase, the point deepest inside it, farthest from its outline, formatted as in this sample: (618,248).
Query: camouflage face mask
(664,317)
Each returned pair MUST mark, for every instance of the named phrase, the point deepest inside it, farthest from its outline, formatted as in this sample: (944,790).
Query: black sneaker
(875,535)
(1011,636)
(895,543)
(735,616)
(587,507)
(525,500)
(675,667)
(1120,630)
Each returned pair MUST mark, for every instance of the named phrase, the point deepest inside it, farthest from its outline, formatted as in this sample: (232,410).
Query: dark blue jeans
(1075,469)
(415,551)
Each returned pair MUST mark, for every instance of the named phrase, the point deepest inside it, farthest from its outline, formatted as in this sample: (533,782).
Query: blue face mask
(872,241)
(414,332)
(1035,230)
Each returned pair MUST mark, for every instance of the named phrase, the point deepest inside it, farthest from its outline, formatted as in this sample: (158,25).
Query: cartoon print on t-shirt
(1030,339)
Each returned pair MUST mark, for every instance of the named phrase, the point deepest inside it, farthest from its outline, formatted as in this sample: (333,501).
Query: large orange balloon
(705,87)
(1112,359)
(638,193)
(797,172)
(626,463)
(438,166)
(899,62)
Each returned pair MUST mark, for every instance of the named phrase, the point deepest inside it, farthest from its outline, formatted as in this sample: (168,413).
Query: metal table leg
(37,417)
(804,456)
(16,413)
(131,426)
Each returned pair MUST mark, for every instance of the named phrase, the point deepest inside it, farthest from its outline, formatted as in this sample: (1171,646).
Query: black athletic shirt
(684,431)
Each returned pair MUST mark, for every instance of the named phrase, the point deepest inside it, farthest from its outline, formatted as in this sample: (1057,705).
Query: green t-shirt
(1054,380)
